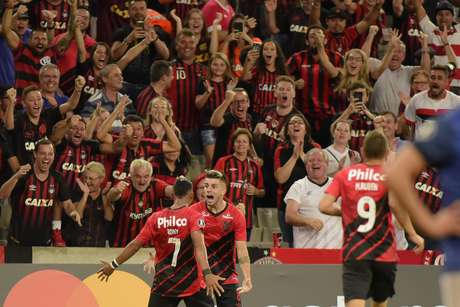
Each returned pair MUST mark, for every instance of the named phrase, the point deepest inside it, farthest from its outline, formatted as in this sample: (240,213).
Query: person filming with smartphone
(358,114)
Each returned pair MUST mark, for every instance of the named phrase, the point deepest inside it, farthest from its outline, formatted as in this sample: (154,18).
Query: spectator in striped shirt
(444,22)
(312,229)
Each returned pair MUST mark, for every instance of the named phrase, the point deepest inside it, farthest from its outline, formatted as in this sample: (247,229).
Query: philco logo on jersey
(367,174)
(171,222)
(38,202)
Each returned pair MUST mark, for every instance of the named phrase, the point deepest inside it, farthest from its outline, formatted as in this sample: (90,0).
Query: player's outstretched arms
(212,281)
(108,268)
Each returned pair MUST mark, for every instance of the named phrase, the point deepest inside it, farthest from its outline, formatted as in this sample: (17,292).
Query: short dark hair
(215,174)
(375,145)
(443,68)
(389,113)
(358,85)
(44,141)
(159,69)
(314,26)
(182,187)
(133,118)
(29,89)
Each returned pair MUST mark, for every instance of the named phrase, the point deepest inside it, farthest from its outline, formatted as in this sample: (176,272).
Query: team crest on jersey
(275,123)
(51,189)
(32,187)
(201,223)
(140,204)
(268,118)
(42,129)
(45,60)
(83,155)
(69,153)
(227,225)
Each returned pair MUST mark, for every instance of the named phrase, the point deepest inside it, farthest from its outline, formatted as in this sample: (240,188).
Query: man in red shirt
(369,245)
(177,236)
(224,231)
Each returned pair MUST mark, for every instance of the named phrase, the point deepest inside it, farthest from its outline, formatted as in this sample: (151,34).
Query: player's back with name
(170,231)
(366,215)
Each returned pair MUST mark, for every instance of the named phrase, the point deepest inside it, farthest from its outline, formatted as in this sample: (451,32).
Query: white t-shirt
(334,157)
(308,195)
(385,96)
(421,110)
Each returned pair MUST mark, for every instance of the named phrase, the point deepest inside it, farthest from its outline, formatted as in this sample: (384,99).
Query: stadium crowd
(277,95)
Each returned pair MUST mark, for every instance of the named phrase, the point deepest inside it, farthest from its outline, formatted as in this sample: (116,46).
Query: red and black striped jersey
(26,134)
(134,208)
(93,83)
(429,190)
(32,202)
(28,64)
(224,145)
(360,13)
(239,175)
(317,95)
(360,125)
(410,31)
(62,15)
(221,231)
(264,83)
(183,92)
(121,162)
(176,270)
(183,6)
(343,42)
(366,217)
(215,99)
(143,100)
(67,61)
(71,160)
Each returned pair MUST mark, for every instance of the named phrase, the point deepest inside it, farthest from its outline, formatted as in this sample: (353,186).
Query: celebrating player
(225,230)
(369,245)
(177,236)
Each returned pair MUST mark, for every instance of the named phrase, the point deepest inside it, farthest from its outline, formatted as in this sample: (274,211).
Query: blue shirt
(6,64)
(60,100)
(441,149)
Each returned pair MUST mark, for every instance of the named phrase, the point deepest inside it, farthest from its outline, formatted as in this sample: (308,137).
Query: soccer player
(369,245)
(436,146)
(136,200)
(34,193)
(177,236)
(224,231)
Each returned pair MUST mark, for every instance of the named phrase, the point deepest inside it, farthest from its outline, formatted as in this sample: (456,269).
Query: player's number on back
(176,242)
(366,210)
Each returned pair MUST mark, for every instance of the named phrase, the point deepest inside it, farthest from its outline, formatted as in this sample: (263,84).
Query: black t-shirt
(224,133)
(93,232)
(26,134)
(138,71)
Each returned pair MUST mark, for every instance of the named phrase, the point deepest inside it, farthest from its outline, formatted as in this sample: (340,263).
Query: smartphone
(358,96)
(256,47)
(238,26)
(140,24)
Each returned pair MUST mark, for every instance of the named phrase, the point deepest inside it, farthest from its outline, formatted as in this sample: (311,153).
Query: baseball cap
(335,12)
(444,5)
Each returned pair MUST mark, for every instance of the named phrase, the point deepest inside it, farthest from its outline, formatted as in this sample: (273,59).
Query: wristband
(114,264)
(206,272)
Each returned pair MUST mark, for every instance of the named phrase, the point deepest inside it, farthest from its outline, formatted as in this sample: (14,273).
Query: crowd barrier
(71,273)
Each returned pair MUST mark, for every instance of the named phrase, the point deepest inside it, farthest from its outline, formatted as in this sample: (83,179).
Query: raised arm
(8,186)
(367,46)
(11,37)
(177,20)
(118,111)
(370,18)
(216,27)
(249,64)
(324,58)
(82,53)
(74,99)
(451,57)
(133,52)
(270,9)
(64,43)
(9,114)
(217,117)
(172,144)
(395,42)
